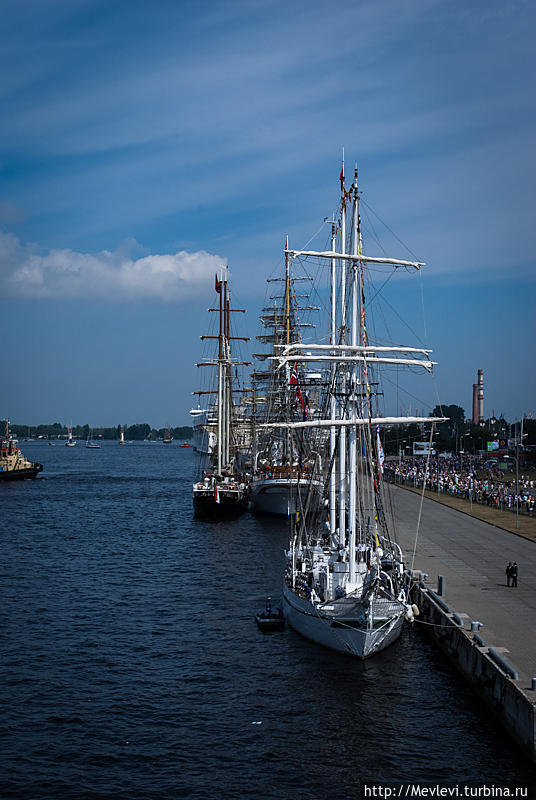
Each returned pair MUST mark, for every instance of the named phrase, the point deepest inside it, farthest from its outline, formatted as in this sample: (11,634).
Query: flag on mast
(381,457)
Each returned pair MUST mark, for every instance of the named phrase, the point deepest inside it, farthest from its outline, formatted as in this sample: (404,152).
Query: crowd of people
(463,478)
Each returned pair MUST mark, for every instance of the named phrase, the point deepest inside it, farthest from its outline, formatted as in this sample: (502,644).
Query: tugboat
(13,465)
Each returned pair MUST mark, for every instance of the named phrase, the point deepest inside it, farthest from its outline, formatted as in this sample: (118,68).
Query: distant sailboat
(168,436)
(70,441)
(122,436)
(90,444)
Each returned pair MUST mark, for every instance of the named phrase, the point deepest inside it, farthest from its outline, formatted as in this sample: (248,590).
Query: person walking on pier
(509,573)
(513,574)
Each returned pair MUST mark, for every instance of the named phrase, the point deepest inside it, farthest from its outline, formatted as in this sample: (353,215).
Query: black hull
(227,508)
(20,474)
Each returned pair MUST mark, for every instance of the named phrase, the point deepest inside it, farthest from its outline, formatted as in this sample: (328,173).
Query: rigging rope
(422,496)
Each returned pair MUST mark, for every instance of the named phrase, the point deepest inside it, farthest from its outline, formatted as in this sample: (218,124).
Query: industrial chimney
(478,400)
(480,397)
(474,418)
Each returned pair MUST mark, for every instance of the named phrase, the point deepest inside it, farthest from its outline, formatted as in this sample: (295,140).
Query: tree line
(137,432)
(457,433)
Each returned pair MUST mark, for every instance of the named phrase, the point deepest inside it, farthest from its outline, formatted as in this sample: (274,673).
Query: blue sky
(143,144)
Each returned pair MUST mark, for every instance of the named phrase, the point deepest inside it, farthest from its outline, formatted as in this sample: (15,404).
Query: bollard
(534,685)
(441,585)
(475,626)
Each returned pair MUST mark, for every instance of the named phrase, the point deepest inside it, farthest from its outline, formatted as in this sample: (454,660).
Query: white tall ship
(344,584)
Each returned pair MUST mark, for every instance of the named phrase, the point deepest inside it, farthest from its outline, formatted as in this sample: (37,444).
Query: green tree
(138,432)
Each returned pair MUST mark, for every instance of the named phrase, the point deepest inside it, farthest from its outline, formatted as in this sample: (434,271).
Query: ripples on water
(132,667)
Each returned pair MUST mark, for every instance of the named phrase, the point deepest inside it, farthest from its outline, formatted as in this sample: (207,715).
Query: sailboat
(70,441)
(345,584)
(168,436)
(285,460)
(222,490)
(121,435)
(90,444)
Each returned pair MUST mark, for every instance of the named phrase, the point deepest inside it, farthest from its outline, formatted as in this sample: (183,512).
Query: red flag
(217,284)
(341,176)
(294,376)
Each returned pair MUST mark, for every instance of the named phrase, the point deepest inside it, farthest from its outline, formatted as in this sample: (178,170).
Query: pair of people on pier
(511,574)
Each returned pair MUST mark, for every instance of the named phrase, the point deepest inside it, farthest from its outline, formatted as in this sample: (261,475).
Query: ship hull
(20,474)
(308,620)
(228,507)
(277,496)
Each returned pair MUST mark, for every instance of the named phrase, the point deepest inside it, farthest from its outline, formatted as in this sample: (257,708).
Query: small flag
(217,284)
(216,494)
(381,457)
(341,176)
(294,376)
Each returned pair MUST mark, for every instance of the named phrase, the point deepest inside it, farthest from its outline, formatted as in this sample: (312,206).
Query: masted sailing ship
(222,490)
(344,584)
(285,460)
(13,465)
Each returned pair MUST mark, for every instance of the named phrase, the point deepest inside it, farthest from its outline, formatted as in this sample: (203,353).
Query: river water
(132,668)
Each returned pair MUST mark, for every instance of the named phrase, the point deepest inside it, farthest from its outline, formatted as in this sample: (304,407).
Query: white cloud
(174,277)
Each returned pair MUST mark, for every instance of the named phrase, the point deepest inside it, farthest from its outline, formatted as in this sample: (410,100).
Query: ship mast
(287,455)
(342,434)
(333,399)
(220,382)
(352,438)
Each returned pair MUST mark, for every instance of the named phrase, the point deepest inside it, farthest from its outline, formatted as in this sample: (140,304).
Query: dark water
(132,667)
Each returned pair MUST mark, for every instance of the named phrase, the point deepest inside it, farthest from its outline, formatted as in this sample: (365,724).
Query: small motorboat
(270,620)
(185,444)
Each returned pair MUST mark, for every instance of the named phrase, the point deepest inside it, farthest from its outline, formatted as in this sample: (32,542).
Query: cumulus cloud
(173,277)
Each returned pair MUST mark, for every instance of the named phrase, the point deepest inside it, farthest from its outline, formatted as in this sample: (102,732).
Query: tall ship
(222,489)
(287,465)
(345,585)
(13,464)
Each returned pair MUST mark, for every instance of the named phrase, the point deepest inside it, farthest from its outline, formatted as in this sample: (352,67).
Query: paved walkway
(472,555)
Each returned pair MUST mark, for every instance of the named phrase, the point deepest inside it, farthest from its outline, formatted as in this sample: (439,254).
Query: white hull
(204,441)
(308,619)
(278,495)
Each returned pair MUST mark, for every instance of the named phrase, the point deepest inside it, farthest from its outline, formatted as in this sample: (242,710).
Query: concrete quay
(472,556)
